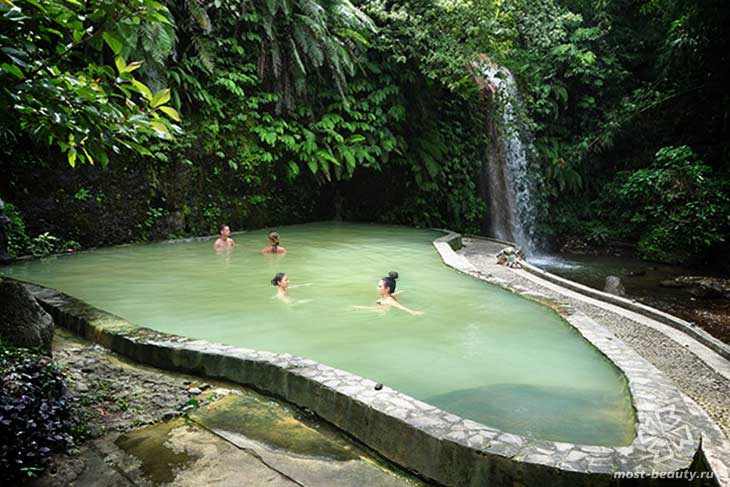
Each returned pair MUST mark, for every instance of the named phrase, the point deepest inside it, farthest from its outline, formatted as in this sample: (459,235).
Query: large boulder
(712,288)
(614,286)
(22,320)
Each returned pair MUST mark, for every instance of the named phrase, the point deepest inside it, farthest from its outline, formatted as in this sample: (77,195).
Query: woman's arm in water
(368,308)
(396,304)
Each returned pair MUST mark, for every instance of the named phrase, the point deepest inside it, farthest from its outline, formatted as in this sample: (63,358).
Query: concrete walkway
(195,434)
(698,372)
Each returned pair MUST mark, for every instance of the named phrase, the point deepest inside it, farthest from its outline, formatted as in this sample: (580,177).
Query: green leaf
(142,88)
(160,98)
(120,64)
(132,66)
(114,43)
(170,112)
(161,129)
(71,154)
(12,69)
(326,155)
(355,139)
(88,156)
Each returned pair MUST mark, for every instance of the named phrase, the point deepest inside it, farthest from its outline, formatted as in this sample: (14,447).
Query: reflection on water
(473,336)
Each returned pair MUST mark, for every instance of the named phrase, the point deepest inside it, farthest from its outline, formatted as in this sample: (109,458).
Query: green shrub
(17,238)
(679,205)
(44,244)
(37,414)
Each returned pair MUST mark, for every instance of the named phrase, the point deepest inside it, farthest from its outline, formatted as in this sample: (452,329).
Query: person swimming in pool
(273,247)
(224,240)
(386,289)
(281,281)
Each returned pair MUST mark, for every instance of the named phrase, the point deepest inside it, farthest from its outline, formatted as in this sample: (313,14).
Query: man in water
(224,241)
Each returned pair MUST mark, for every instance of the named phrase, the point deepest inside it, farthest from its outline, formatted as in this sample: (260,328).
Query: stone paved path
(150,427)
(706,386)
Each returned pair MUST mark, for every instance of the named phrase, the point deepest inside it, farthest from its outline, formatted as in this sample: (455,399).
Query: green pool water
(478,351)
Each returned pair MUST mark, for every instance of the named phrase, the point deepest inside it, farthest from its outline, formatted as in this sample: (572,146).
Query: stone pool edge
(706,339)
(659,407)
(430,442)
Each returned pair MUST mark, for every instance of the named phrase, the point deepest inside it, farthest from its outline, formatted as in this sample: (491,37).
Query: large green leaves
(55,91)
(302,37)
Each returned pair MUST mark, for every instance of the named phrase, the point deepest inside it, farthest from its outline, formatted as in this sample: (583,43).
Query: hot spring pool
(478,351)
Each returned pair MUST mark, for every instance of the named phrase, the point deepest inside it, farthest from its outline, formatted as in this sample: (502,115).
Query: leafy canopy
(65,83)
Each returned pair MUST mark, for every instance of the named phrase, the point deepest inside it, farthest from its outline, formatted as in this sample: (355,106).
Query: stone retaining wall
(422,438)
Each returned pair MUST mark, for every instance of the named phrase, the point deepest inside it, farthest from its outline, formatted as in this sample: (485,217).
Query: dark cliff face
(145,200)
(92,205)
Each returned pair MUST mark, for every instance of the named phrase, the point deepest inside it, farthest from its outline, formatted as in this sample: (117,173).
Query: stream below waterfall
(641,280)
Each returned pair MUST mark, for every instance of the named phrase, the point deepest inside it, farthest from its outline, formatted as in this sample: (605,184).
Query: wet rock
(195,391)
(576,246)
(671,283)
(613,286)
(24,323)
(702,286)
(711,287)
(634,272)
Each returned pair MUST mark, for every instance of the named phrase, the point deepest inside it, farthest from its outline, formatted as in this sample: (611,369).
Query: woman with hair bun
(273,247)
(281,281)
(386,289)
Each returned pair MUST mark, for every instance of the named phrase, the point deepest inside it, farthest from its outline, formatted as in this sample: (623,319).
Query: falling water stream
(506,183)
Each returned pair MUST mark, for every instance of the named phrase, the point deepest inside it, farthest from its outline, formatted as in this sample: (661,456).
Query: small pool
(478,351)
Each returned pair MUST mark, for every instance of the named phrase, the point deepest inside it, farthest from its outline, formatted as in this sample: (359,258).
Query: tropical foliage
(289,110)
(65,83)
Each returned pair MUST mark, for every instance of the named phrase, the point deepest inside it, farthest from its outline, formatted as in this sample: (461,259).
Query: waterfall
(507,184)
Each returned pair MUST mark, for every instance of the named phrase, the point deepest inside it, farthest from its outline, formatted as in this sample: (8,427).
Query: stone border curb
(686,327)
(654,397)
(431,442)
(715,446)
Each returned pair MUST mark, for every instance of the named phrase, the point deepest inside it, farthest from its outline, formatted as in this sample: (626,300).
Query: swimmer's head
(274,237)
(386,285)
(224,230)
(281,281)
